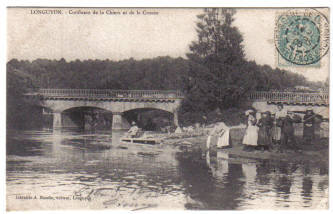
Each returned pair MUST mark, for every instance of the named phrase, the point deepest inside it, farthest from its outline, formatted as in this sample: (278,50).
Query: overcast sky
(115,37)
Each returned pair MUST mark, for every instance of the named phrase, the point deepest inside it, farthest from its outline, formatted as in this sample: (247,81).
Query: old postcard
(167,108)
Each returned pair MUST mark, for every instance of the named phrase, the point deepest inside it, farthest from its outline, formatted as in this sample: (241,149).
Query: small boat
(150,141)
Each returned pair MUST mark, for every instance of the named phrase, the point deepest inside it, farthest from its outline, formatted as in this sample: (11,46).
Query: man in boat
(132,132)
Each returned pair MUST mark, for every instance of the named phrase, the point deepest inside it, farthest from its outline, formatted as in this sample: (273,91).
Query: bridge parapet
(301,98)
(107,93)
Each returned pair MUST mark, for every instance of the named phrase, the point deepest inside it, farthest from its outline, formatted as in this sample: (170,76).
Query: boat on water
(137,135)
(150,141)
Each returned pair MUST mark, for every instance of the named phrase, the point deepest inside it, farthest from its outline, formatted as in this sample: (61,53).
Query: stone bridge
(115,101)
(120,101)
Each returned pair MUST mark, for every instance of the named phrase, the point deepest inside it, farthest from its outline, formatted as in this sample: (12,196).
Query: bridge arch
(85,108)
(83,117)
(142,106)
(150,119)
(61,105)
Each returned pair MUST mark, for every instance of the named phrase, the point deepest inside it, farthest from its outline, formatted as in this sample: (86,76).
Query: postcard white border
(138,3)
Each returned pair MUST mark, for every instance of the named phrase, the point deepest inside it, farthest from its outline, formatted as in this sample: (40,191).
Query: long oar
(314,115)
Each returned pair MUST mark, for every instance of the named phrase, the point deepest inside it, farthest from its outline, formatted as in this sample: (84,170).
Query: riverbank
(316,153)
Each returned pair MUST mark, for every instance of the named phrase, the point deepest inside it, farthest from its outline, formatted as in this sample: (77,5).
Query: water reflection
(102,172)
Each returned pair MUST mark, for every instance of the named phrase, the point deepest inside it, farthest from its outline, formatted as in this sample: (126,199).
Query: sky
(164,32)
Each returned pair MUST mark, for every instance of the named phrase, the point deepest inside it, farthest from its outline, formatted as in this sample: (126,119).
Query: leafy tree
(218,75)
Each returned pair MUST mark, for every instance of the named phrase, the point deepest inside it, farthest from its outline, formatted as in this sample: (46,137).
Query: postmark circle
(302,36)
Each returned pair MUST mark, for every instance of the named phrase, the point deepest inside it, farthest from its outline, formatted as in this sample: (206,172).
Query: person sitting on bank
(132,132)
(308,127)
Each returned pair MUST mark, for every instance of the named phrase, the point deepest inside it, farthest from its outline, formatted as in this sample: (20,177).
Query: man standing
(308,128)
(287,132)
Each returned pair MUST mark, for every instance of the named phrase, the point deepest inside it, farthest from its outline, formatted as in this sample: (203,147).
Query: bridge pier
(175,118)
(57,120)
(117,121)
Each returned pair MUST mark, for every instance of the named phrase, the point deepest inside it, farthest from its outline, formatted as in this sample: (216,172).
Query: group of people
(277,129)
(269,129)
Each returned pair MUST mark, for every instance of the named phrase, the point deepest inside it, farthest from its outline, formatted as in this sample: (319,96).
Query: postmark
(302,36)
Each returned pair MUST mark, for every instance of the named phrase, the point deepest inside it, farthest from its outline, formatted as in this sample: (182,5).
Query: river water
(83,170)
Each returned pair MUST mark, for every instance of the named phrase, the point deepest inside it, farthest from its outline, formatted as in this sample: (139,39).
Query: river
(69,169)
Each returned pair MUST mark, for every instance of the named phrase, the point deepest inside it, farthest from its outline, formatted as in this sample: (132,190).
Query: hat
(248,112)
(133,123)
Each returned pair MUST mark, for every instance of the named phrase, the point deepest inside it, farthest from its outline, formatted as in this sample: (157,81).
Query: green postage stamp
(301,37)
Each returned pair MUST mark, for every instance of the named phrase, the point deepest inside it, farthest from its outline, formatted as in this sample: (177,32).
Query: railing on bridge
(319,98)
(312,98)
(107,93)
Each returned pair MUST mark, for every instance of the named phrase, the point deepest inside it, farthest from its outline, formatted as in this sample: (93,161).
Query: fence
(107,93)
(291,97)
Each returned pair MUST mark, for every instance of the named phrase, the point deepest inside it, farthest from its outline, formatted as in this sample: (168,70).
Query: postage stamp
(301,37)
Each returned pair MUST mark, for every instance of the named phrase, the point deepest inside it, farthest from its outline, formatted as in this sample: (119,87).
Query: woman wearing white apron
(222,131)
(250,139)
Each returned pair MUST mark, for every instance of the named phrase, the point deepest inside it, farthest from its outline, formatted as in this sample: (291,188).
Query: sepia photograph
(167,108)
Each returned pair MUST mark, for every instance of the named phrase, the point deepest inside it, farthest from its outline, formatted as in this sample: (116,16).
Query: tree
(218,75)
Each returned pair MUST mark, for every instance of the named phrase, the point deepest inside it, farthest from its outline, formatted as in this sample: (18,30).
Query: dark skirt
(308,132)
(264,136)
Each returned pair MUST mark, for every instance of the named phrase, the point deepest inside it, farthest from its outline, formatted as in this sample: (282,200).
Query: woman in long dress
(250,139)
(264,135)
(277,123)
(222,131)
